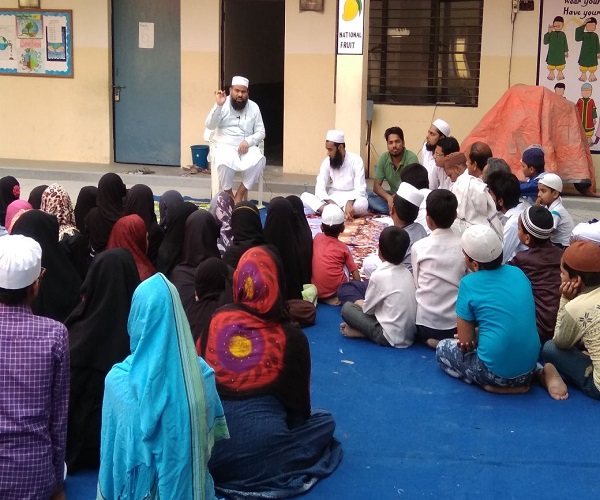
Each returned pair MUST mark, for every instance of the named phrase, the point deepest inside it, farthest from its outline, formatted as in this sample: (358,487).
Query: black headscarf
(199,243)
(35,197)
(170,251)
(109,208)
(86,200)
(59,289)
(97,327)
(213,289)
(247,231)
(140,200)
(280,231)
(98,339)
(305,239)
(169,200)
(9,192)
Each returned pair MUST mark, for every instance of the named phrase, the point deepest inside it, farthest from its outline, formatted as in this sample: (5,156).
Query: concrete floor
(73,176)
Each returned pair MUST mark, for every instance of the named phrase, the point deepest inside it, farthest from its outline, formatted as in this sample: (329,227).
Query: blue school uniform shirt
(501,303)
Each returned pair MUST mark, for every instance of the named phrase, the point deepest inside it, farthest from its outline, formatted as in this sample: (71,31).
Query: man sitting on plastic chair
(238,130)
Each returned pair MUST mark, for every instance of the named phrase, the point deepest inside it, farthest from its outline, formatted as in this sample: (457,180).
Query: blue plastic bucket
(200,156)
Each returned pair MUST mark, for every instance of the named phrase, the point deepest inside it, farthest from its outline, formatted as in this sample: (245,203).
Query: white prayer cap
(553,181)
(481,243)
(332,215)
(442,126)
(410,194)
(20,261)
(240,80)
(335,136)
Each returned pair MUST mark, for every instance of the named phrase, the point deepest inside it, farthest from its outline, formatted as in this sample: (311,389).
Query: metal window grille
(425,52)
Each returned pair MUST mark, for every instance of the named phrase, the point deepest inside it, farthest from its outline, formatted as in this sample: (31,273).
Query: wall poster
(36,43)
(568,54)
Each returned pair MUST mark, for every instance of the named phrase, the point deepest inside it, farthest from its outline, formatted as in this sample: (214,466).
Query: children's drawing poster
(36,43)
(568,55)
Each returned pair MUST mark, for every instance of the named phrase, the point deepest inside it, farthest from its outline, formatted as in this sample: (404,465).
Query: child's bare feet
(348,331)
(553,382)
(433,343)
(332,301)
(507,390)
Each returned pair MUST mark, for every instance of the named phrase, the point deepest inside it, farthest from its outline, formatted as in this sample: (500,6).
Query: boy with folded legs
(578,319)
(495,348)
(438,266)
(387,315)
(541,264)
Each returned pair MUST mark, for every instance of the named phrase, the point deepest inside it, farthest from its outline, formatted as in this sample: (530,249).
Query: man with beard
(346,172)
(238,130)
(388,168)
(438,129)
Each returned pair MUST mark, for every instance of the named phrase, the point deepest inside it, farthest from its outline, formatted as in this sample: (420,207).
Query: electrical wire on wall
(513,17)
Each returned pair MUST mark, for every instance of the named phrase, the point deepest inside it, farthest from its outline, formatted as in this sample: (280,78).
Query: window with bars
(425,52)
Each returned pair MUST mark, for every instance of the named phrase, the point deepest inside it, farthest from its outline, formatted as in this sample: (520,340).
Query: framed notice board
(36,43)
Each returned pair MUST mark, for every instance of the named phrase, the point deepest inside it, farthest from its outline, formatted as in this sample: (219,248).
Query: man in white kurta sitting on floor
(346,172)
(437,130)
(238,130)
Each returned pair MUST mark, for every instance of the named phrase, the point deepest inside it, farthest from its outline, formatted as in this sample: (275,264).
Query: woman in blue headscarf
(161,412)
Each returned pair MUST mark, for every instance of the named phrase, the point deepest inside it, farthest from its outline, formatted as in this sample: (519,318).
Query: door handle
(117,92)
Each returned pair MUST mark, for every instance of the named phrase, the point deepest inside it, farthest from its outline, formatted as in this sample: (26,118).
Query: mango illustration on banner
(351,9)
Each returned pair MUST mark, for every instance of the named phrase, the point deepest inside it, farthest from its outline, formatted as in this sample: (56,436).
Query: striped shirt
(34,397)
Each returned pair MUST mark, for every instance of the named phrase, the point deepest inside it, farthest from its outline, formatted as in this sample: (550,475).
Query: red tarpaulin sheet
(528,114)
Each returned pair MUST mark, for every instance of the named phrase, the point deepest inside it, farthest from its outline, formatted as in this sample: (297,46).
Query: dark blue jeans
(574,366)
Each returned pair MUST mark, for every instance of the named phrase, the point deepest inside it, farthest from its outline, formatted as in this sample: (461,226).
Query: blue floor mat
(411,431)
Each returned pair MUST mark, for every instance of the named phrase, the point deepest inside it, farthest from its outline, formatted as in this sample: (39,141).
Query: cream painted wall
(200,25)
(63,119)
(309,79)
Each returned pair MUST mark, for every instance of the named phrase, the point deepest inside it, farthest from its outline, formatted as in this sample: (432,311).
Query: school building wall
(71,119)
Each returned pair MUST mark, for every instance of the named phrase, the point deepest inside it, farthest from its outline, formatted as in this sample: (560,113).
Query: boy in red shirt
(332,261)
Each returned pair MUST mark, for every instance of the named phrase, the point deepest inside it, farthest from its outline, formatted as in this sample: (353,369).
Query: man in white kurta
(438,129)
(238,130)
(345,172)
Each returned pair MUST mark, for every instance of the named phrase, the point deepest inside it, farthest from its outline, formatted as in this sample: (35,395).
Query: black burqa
(170,251)
(213,290)
(86,200)
(109,209)
(200,242)
(305,239)
(168,201)
(9,192)
(59,289)
(280,231)
(247,232)
(98,339)
(35,197)
(140,200)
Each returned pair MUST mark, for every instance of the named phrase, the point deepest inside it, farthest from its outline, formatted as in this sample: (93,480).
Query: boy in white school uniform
(438,266)
(549,190)
(387,315)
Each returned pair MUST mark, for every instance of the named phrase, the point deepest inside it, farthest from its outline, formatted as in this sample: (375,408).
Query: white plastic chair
(214,177)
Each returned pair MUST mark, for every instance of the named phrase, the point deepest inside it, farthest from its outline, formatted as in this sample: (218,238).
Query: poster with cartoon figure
(569,50)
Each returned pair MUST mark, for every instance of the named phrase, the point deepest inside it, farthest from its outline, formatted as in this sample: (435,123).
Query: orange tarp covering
(528,114)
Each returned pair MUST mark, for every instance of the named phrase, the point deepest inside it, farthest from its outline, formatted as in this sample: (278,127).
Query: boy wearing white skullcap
(541,264)
(34,369)
(405,209)
(501,354)
(549,190)
(331,259)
